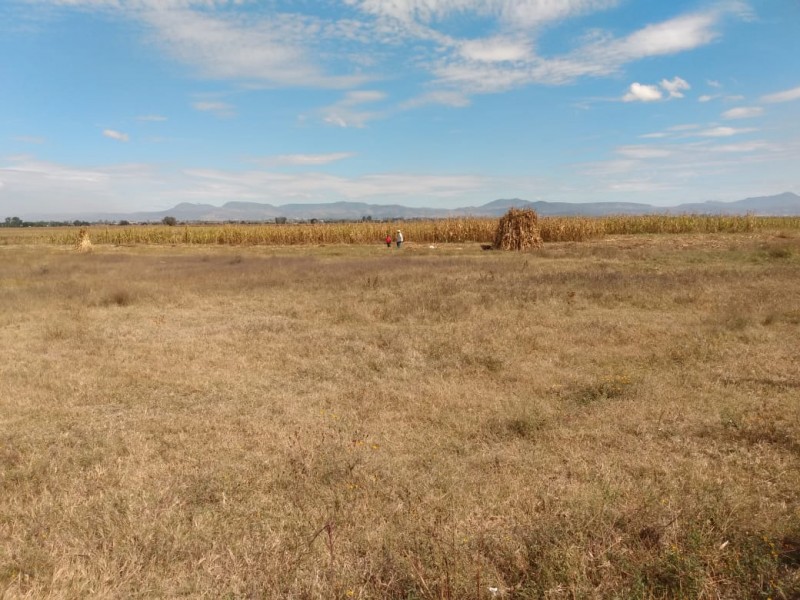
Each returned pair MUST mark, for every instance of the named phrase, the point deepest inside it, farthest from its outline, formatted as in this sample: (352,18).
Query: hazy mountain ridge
(785,204)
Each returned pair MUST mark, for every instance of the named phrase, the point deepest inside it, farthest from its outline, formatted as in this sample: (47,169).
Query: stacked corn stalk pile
(518,230)
(83,243)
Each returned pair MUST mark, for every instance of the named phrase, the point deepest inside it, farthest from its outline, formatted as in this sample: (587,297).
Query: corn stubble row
(465,230)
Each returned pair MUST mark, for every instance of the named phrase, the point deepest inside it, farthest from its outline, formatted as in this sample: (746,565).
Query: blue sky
(135,105)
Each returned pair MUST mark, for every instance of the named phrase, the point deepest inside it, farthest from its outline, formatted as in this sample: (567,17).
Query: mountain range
(785,204)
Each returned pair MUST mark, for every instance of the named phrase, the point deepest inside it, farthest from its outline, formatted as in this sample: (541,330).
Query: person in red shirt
(388,241)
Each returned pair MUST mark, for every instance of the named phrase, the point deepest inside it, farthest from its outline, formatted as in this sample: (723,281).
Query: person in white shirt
(399,238)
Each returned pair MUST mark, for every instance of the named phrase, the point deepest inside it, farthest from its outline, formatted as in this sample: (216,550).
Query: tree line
(17,222)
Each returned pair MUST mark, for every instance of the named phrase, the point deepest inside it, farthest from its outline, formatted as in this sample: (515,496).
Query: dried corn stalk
(518,230)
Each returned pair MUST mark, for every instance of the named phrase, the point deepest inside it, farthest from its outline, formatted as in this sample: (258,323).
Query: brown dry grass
(609,419)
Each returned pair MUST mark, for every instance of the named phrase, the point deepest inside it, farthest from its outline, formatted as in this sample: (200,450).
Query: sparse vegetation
(616,418)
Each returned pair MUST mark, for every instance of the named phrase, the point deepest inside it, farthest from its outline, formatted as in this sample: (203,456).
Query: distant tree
(124,222)
(171,221)
(13,222)
(280,220)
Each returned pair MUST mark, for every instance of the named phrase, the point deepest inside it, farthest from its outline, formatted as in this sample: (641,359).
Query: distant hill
(785,204)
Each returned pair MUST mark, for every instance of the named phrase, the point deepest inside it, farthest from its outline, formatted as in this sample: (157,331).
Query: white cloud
(514,13)
(274,50)
(445,97)
(291,49)
(685,127)
(670,37)
(210,184)
(639,185)
(785,96)
(116,135)
(362,96)
(304,160)
(697,169)
(29,139)
(676,87)
(486,69)
(724,131)
(220,109)
(233,49)
(642,93)
(347,112)
(743,112)
(706,98)
(151,118)
(742,147)
(643,152)
(495,50)
(57,189)
(656,135)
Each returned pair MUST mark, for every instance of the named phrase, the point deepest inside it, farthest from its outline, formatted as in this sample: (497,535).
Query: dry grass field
(616,418)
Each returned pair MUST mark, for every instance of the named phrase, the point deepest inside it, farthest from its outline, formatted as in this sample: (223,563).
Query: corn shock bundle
(83,243)
(518,230)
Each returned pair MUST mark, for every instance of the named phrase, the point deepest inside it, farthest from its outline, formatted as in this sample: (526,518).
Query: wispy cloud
(643,152)
(213,184)
(108,187)
(685,127)
(694,167)
(291,49)
(743,112)
(56,189)
(29,139)
(488,66)
(280,49)
(347,112)
(513,13)
(724,131)
(785,96)
(151,118)
(446,97)
(304,160)
(220,109)
(675,87)
(116,135)
(493,50)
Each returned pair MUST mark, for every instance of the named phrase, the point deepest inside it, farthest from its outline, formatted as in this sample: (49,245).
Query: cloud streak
(785,96)
(304,160)
(220,109)
(743,112)
(116,135)
(348,111)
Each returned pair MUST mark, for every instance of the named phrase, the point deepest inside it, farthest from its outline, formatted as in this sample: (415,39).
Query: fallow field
(611,418)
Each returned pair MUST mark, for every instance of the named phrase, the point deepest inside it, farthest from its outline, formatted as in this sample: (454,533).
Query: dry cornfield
(460,231)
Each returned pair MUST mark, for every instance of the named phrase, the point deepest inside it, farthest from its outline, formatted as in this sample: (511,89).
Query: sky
(121,106)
